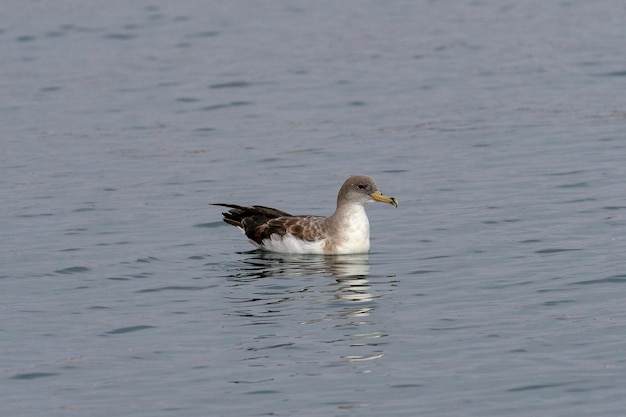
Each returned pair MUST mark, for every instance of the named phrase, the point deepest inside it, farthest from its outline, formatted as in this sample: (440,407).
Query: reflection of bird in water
(350,271)
(339,266)
(341,308)
(346,231)
(354,289)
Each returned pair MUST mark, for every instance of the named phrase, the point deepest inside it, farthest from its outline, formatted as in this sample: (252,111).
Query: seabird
(346,231)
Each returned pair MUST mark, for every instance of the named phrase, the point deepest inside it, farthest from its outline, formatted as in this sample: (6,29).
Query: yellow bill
(378,196)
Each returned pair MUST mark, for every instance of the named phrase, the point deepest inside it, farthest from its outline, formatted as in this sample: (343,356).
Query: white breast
(355,231)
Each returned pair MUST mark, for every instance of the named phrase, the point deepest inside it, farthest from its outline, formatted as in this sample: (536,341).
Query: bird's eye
(361,186)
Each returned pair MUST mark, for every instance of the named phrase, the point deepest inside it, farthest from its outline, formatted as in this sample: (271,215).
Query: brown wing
(307,228)
(259,222)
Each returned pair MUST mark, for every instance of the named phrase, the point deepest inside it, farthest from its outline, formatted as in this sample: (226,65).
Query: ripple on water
(130,329)
(73,270)
(33,375)
(615,279)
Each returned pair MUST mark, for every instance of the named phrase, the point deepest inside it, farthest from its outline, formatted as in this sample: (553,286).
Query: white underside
(289,244)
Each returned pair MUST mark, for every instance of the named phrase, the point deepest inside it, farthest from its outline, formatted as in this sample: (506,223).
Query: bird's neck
(349,229)
(351,215)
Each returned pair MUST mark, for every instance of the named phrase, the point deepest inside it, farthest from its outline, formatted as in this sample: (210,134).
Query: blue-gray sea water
(496,288)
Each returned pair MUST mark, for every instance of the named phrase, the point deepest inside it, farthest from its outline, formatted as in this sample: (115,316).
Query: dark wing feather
(257,222)
(260,223)
(237,213)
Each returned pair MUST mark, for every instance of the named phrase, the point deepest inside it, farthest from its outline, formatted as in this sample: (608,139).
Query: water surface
(496,288)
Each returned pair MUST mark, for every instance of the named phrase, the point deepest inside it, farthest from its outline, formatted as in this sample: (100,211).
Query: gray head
(363,190)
